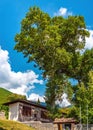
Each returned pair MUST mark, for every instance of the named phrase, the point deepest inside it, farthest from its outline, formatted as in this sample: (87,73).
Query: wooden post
(59,126)
(72,126)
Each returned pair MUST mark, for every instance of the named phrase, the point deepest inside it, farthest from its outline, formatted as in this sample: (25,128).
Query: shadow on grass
(2,128)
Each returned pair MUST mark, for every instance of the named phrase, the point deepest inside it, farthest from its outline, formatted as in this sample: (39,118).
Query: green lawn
(13,125)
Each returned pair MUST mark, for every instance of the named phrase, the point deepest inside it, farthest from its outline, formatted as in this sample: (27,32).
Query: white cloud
(16,82)
(35,97)
(63,102)
(63,12)
(21,90)
(89,40)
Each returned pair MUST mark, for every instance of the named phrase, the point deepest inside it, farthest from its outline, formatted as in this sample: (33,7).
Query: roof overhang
(25,102)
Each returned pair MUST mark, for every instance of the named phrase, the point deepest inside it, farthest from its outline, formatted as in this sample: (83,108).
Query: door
(67,126)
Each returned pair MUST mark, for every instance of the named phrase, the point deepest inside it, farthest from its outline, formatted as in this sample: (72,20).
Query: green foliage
(84,100)
(65,111)
(54,112)
(14,96)
(54,90)
(55,45)
(5,109)
(74,112)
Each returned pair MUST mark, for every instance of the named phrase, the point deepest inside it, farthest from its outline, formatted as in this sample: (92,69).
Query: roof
(64,120)
(26,102)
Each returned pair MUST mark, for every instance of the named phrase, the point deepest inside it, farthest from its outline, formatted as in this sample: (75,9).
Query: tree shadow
(2,128)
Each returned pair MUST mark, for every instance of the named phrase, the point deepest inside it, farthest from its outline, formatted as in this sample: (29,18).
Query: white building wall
(13,111)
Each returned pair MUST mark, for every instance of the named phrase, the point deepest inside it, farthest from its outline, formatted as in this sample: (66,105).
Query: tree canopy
(56,45)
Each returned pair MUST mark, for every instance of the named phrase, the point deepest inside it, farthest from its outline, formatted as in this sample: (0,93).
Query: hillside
(6,96)
(3,95)
(12,125)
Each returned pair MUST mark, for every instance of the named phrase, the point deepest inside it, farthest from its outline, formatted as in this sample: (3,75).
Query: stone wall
(84,127)
(2,115)
(50,126)
(42,126)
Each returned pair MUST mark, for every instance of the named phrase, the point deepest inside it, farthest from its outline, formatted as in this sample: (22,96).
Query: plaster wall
(13,111)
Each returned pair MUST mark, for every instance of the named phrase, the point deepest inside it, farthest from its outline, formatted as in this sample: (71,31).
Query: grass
(13,125)
(3,95)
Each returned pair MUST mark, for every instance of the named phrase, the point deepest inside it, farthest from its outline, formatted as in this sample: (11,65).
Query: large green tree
(55,87)
(55,44)
(84,101)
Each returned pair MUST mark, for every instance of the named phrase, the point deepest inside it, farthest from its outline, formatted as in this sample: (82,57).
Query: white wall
(13,111)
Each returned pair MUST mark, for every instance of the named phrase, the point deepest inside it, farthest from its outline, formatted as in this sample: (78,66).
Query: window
(26,111)
(44,115)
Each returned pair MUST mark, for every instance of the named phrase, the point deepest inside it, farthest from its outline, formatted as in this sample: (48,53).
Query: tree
(55,45)
(38,101)
(54,90)
(84,99)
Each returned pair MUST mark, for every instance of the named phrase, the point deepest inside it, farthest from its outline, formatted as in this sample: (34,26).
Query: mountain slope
(6,96)
(3,95)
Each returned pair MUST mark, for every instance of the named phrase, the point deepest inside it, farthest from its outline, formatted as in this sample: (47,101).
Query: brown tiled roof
(64,120)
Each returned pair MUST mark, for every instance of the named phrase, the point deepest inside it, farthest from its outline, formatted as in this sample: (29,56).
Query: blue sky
(16,74)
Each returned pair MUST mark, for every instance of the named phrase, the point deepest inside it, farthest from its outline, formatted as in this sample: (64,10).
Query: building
(24,110)
(65,123)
